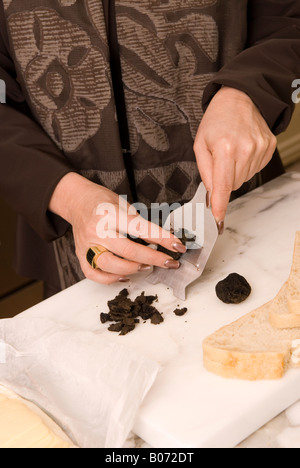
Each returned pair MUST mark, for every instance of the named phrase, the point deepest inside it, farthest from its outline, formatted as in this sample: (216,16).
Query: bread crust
(247,364)
(263,366)
(285,311)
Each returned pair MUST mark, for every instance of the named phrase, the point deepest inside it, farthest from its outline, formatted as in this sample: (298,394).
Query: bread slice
(251,348)
(285,310)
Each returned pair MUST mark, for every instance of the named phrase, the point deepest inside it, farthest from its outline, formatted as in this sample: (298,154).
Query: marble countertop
(258,243)
(282,431)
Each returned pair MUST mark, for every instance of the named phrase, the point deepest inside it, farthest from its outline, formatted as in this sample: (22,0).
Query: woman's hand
(233,143)
(98,218)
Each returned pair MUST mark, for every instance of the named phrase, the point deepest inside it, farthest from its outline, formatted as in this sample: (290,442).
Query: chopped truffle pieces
(180,312)
(115,327)
(105,317)
(125,313)
(156,318)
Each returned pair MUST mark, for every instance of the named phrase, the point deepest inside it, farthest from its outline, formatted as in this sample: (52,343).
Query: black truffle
(233,290)
(180,312)
(125,312)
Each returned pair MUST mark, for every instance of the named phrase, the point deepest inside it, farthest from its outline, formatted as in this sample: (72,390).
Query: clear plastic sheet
(90,386)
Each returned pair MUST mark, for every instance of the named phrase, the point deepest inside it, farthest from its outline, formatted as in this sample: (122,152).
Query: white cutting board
(187,406)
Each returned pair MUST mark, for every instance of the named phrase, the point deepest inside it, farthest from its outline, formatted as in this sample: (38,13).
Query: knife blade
(197,219)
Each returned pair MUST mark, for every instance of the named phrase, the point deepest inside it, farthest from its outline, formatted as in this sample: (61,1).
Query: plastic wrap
(89,385)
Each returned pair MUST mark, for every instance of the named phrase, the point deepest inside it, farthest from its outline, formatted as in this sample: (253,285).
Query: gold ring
(93,254)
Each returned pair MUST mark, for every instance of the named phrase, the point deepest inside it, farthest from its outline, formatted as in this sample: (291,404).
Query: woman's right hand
(100,217)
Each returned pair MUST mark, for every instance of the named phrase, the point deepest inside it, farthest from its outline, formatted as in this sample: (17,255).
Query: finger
(262,157)
(139,227)
(100,276)
(205,164)
(267,155)
(223,182)
(244,171)
(111,276)
(110,263)
(141,254)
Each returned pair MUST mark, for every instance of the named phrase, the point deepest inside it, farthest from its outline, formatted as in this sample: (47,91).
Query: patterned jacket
(59,60)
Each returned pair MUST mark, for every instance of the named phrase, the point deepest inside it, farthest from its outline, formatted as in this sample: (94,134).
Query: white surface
(91,386)
(187,406)
(293,414)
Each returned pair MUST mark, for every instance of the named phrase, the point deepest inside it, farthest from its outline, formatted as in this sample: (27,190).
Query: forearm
(31,165)
(30,168)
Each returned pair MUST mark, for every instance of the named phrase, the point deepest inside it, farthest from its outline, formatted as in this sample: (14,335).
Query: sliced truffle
(142,299)
(180,312)
(185,237)
(126,329)
(115,327)
(146,311)
(157,318)
(233,290)
(105,317)
(125,312)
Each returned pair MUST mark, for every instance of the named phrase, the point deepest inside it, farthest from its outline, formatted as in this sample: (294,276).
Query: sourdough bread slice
(252,348)
(285,309)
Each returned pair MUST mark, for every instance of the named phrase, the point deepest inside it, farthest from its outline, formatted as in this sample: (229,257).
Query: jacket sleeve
(31,165)
(270,63)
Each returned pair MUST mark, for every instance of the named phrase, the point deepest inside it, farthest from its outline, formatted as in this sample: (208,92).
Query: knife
(195,218)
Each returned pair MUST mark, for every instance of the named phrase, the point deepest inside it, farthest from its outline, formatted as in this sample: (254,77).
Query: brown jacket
(64,109)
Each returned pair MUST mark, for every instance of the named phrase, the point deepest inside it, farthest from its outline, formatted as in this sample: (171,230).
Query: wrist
(68,195)
(233,93)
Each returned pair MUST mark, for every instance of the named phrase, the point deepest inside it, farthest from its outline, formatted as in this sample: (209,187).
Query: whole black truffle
(234,289)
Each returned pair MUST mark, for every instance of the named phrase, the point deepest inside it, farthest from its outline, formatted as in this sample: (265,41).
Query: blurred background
(18,294)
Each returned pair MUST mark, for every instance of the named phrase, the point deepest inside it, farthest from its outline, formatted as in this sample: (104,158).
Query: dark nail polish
(172,264)
(220,225)
(179,247)
(124,280)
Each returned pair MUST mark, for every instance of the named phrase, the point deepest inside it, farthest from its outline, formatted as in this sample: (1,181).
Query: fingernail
(220,225)
(144,267)
(208,200)
(124,280)
(172,264)
(179,247)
